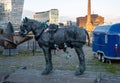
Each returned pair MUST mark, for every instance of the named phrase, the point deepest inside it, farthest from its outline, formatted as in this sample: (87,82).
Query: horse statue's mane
(38,23)
(32,21)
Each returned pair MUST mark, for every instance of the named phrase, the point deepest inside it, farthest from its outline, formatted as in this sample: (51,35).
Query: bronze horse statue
(70,36)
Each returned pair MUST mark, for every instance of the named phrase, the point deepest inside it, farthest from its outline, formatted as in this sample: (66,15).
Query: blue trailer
(106,42)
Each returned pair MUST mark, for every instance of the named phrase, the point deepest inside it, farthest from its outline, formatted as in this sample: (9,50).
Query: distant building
(90,21)
(70,23)
(51,15)
(81,21)
(1,12)
(95,20)
(11,11)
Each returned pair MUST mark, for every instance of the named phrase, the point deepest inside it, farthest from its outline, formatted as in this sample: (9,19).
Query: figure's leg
(80,70)
(48,59)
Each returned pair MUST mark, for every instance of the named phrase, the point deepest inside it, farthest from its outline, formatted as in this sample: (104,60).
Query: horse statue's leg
(80,70)
(48,59)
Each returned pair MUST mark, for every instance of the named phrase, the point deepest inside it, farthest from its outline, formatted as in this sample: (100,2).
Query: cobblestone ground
(61,61)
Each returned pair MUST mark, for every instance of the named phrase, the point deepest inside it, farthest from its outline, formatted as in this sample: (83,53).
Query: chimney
(89,26)
(89,12)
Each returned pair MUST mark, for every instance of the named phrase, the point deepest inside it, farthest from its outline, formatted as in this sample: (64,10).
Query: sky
(110,9)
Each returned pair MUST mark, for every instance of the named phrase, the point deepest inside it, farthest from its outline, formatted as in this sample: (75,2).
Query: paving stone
(57,76)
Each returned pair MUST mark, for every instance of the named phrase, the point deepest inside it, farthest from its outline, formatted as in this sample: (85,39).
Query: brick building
(95,20)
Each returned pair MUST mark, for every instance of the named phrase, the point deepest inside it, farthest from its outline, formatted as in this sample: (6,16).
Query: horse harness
(52,29)
(37,38)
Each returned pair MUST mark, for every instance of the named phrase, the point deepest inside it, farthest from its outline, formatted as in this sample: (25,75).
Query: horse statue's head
(30,25)
(25,27)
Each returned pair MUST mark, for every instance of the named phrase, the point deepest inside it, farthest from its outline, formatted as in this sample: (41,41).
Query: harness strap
(45,25)
(51,37)
(37,38)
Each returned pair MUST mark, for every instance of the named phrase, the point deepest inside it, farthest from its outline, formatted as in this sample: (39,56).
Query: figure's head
(26,27)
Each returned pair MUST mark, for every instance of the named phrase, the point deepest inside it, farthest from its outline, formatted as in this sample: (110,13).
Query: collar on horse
(44,24)
(37,37)
(52,28)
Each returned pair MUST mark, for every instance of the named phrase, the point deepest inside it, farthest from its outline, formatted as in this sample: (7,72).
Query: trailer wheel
(99,57)
(103,59)
(108,61)
(95,55)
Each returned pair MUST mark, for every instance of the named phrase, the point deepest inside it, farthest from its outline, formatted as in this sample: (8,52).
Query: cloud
(27,13)
(113,19)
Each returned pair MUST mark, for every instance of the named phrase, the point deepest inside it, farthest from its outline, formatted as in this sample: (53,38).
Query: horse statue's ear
(23,20)
(26,19)
(47,21)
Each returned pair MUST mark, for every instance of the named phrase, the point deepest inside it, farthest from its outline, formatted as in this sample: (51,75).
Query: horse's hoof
(45,72)
(80,70)
(78,73)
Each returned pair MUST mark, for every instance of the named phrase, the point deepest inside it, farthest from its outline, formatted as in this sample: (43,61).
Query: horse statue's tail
(87,37)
